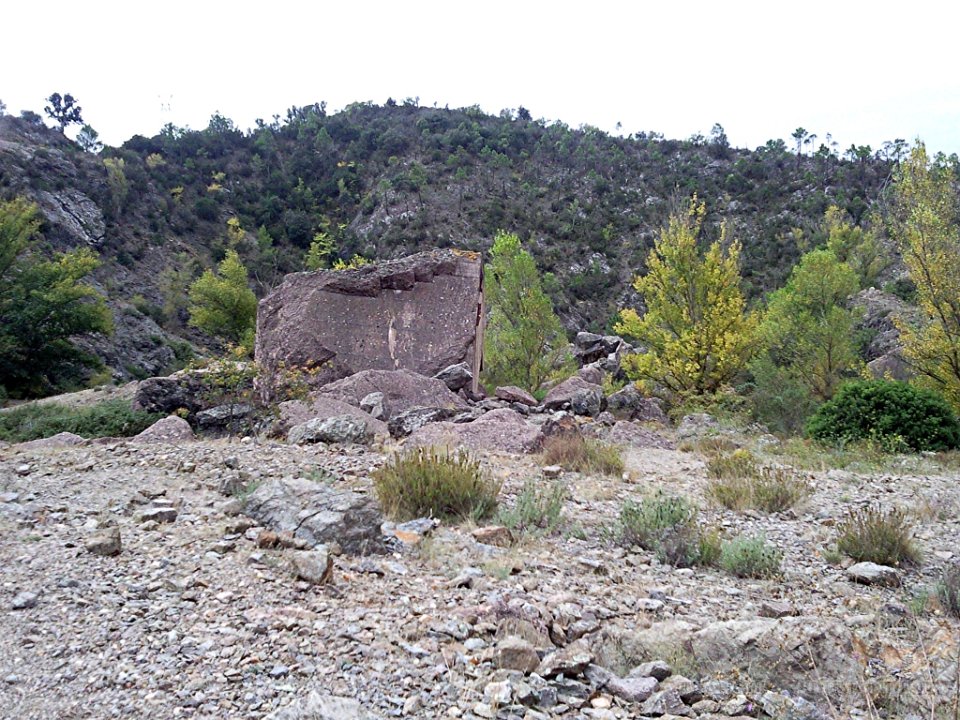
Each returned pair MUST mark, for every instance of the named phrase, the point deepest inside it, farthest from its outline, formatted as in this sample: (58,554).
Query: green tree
(222,303)
(89,140)
(858,247)
(697,333)
(926,227)
(808,329)
(321,250)
(63,110)
(43,303)
(524,340)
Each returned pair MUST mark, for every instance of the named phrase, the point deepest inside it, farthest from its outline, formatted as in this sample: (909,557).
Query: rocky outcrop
(402,390)
(337,429)
(418,313)
(297,412)
(501,430)
(581,397)
(171,429)
(317,514)
(629,403)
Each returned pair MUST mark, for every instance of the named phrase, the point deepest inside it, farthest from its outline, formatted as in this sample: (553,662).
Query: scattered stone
(664,702)
(569,661)
(777,609)
(552,472)
(868,573)
(159,513)
(23,470)
(315,566)
(515,653)
(337,429)
(456,377)
(105,542)
(24,600)
(410,421)
(656,669)
(411,532)
(493,535)
(320,706)
(581,397)
(514,394)
(317,513)
(373,405)
(632,689)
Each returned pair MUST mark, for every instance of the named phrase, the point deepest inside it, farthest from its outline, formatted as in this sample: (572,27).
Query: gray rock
(629,403)
(314,565)
(412,420)
(318,514)
(664,702)
(500,430)
(337,429)
(515,653)
(569,661)
(321,706)
(223,415)
(591,373)
(632,689)
(171,430)
(456,377)
(514,394)
(24,600)
(105,541)
(160,514)
(869,573)
(298,412)
(373,405)
(581,397)
(656,669)
(59,440)
(590,347)
(402,390)
(697,425)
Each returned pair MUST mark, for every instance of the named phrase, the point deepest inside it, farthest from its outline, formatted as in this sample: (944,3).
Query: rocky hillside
(198,579)
(385,181)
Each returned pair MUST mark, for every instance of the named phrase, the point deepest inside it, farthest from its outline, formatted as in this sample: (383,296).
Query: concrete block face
(418,313)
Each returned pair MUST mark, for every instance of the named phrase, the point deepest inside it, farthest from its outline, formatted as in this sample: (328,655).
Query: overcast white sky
(864,71)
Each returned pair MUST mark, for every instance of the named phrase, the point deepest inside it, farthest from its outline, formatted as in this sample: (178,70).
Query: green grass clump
(893,415)
(578,454)
(750,557)
(871,534)
(537,510)
(110,418)
(666,525)
(740,483)
(435,483)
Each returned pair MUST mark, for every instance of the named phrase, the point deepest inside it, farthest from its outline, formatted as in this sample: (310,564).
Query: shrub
(577,454)
(872,535)
(750,557)
(537,509)
(948,589)
(111,418)
(438,483)
(666,525)
(740,483)
(887,411)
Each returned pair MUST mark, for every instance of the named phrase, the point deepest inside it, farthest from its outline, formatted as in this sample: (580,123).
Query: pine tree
(697,333)
(222,303)
(524,340)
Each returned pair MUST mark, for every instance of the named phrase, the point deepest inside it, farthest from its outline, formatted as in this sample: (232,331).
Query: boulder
(569,661)
(373,405)
(314,566)
(515,653)
(502,430)
(337,429)
(61,439)
(628,403)
(297,412)
(868,573)
(402,390)
(418,313)
(317,514)
(592,373)
(590,347)
(456,377)
(171,429)
(513,394)
(581,397)
(412,420)
(169,394)
(105,542)
(559,424)
(222,416)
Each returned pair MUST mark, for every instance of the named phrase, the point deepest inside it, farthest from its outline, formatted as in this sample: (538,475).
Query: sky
(864,72)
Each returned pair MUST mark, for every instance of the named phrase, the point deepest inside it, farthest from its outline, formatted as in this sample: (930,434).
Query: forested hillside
(382,181)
